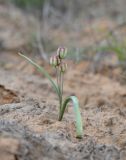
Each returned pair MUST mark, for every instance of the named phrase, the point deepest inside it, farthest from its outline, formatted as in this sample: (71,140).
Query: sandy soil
(27,101)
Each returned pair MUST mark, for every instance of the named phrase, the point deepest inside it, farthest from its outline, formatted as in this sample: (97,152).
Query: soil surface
(29,129)
(29,111)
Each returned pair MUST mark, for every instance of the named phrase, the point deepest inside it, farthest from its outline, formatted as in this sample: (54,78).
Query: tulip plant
(58,63)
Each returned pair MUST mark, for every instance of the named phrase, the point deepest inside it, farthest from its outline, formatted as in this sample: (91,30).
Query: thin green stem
(62,83)
(60,86)
(59,81)
(57,78)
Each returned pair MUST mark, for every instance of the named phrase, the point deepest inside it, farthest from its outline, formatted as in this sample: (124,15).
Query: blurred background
(93,31)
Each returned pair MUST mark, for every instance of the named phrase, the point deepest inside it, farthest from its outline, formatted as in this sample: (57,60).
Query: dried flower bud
(53,61)
(62,52)
(63,67)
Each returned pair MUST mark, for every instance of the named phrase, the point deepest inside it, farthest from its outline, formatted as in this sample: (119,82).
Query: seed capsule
(62,52)
(53,61)
(63,67)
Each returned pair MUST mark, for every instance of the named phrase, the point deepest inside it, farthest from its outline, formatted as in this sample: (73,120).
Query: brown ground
(28,99)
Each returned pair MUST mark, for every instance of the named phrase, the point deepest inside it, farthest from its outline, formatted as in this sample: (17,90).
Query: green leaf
(42,70)
(79,126)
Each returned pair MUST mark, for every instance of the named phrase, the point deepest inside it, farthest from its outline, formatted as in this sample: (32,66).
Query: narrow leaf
(42,70)
(79,126)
